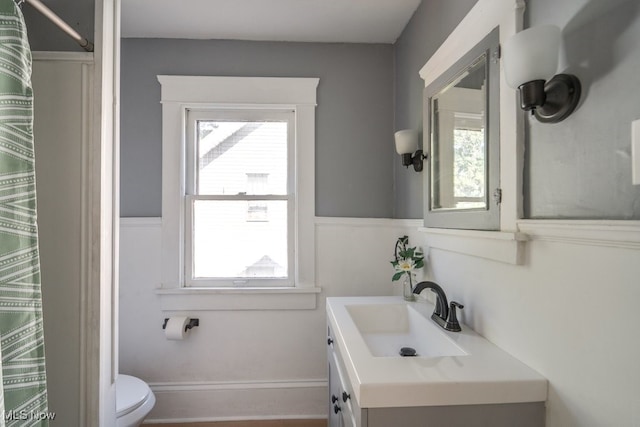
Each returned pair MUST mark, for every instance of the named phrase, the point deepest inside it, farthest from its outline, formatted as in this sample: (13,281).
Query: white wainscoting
(568,311)
(247,364)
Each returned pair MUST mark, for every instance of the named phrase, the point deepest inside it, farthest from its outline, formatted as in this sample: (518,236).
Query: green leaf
(397,276)
(420,264)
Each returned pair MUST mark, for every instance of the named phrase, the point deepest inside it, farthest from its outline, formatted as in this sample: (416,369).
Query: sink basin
(388,328)
(451,368)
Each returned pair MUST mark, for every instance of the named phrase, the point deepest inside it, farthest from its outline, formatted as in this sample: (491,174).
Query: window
(240,203)
(238,192)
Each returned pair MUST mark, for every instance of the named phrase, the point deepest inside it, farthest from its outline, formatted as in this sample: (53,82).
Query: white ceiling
(349,21)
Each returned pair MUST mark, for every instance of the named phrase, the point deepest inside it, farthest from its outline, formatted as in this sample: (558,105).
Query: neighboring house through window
(257,183)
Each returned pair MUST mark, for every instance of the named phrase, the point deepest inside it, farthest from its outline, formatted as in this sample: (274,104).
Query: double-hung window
(240,199)
(238,192)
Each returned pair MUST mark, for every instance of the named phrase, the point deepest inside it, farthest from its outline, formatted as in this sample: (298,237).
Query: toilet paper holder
(192,323)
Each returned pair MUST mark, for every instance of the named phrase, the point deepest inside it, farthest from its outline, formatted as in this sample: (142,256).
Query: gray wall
(430,25)
(354,118)
(45,36)
(579,168)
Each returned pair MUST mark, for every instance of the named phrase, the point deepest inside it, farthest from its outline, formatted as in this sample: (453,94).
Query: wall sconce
(530,62)
(407,147)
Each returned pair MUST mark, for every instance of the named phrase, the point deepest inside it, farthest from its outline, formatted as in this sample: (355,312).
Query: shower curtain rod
(38,5)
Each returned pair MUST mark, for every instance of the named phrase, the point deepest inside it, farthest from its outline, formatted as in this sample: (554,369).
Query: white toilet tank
(134,401)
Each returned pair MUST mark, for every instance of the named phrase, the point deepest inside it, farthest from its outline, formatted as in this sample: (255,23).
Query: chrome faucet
(444,315)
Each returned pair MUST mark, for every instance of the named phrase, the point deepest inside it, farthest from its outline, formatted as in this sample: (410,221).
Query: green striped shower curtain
(24,392)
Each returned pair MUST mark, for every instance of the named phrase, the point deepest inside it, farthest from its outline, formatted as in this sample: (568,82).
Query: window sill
(212,299)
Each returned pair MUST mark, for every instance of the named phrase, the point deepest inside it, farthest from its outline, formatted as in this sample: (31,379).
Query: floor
(265,423)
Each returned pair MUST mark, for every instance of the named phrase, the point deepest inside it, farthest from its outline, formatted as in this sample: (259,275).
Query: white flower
(406,260)
(405,264)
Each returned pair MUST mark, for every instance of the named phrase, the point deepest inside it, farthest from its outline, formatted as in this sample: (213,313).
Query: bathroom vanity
(455,378)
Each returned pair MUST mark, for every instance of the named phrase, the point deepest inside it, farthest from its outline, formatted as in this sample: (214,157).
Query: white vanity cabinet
(482,387)
(343,409)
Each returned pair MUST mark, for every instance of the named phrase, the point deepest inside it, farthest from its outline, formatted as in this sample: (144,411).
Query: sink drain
(408,352)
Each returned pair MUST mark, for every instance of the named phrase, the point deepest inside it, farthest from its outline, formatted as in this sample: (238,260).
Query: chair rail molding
(608,233)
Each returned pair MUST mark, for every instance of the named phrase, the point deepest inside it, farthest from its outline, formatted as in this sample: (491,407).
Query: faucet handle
(452,321)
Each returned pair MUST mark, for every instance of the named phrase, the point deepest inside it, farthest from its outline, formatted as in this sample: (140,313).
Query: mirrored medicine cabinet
(462,133)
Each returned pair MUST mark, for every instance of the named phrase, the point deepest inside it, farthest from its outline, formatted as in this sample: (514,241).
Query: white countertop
(486,375)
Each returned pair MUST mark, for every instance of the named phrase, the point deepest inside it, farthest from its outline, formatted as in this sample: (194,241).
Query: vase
(407,289)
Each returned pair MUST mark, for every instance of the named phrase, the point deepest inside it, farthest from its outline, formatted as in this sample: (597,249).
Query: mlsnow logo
(28,416)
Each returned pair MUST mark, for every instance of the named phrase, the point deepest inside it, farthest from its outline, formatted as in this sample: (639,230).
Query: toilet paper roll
(176,327)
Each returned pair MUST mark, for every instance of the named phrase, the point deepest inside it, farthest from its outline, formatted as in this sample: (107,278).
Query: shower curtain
(23,391)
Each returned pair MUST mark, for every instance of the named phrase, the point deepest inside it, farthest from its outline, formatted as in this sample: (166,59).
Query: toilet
(134,401)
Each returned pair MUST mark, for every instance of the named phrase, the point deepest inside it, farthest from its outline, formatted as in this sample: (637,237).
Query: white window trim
(181,92)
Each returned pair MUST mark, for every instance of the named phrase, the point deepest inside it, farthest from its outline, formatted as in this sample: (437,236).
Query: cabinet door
(335,416)
(343,403)
(347,418)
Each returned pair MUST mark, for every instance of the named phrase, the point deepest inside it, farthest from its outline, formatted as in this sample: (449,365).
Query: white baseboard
(212,420)
(182,402)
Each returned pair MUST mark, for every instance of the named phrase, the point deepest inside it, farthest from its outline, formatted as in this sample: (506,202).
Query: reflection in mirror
(459,171)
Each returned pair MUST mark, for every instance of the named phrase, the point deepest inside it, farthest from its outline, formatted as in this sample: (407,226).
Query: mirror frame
(487,218)
(483,17)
